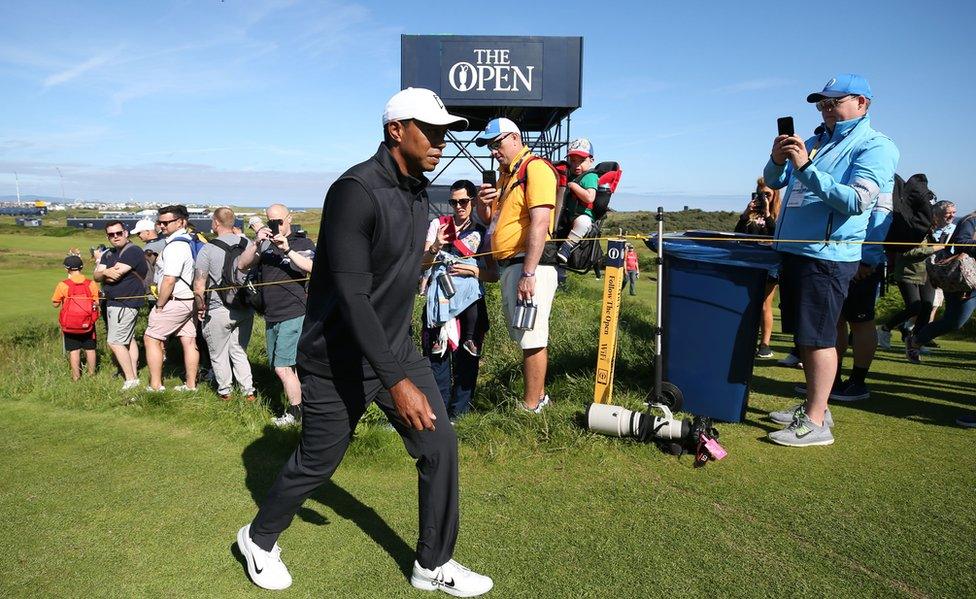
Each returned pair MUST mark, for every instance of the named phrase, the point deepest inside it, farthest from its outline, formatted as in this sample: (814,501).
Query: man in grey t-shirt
(226,329)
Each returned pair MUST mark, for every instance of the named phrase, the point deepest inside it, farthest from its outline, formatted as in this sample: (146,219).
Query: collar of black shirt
(406,182)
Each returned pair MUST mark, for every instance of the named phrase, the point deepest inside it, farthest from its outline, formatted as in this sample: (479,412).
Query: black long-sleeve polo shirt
(364,277)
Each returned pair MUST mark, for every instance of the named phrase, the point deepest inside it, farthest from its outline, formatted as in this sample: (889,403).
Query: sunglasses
(494,145)
(115,233)
(461,202)
(166,223)
(827,103)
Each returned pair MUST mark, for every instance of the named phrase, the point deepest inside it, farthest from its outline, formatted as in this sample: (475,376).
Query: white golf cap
(495,129)
(423,105)
(143,225)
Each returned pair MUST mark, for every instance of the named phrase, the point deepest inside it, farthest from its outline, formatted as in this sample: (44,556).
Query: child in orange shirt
(77,296)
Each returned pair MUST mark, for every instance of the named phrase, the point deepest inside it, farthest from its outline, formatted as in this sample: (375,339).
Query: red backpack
(78,311)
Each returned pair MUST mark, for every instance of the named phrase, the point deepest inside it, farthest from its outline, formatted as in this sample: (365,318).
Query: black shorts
(73,341)
(812,294)
(861,297)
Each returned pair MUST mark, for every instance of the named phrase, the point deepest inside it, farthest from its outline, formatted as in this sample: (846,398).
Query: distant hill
(643,221)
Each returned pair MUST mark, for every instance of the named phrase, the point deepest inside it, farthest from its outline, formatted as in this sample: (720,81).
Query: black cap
(73,263)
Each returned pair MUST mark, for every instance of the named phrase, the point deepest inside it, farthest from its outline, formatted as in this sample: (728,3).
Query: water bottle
(446,284)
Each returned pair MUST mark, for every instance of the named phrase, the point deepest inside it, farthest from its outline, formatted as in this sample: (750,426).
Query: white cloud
(80,69)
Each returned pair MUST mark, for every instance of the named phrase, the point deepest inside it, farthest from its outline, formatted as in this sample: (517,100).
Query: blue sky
(255,102)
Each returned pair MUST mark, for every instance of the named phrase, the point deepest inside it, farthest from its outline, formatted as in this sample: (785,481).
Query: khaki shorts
(121,324)
(545,290)
(175,317)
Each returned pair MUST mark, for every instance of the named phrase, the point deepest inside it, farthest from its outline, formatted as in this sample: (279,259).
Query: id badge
(797,192)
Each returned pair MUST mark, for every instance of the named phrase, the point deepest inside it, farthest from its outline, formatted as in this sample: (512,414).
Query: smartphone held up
(784,126)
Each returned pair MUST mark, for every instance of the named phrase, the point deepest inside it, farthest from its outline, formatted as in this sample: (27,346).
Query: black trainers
(967,420)
(851,391)
(764,352)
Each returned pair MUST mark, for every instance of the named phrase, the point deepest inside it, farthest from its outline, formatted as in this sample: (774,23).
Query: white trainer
(286,419)
(130,384)
(452,578)
(264,567)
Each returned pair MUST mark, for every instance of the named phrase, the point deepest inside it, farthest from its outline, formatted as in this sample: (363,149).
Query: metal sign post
(613,277)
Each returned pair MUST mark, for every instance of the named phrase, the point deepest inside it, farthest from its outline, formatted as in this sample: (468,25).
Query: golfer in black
(356,348)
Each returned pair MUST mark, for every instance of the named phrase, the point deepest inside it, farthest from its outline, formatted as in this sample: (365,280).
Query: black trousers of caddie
(331,408)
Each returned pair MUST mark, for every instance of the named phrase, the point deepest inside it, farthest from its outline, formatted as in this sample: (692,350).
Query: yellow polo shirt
(510,213)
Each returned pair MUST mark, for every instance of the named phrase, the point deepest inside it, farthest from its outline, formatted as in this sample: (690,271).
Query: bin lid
(718,247)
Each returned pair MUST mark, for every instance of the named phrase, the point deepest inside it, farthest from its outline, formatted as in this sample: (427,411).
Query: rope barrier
(635,237)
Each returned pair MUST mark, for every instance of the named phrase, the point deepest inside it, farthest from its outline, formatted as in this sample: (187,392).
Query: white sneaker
(538,409)
(185,388)
(130,384)
(452,578)
(264,567)
(152,389)
(286,419)
(884,339)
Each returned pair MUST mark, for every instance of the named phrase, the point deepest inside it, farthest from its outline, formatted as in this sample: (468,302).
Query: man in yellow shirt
(521,216)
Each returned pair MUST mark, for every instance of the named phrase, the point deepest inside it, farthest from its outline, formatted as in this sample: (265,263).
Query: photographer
(759,218)
(834,180)
(285,259)
(122,270)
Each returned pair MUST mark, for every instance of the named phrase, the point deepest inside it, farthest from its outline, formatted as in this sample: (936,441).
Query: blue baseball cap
(847,84)
(495,129)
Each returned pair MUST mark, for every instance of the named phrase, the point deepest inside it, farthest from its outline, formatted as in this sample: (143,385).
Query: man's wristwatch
(526,275)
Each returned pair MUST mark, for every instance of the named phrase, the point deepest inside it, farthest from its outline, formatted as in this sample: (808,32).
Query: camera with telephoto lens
(617,421)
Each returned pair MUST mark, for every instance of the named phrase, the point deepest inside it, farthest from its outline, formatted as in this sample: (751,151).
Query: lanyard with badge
(497,209)
(796,194)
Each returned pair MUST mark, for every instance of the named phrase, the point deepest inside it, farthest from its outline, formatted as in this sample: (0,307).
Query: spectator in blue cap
(836,183)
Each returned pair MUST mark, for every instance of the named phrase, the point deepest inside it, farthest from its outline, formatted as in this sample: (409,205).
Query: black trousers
(918,303)
(330,410)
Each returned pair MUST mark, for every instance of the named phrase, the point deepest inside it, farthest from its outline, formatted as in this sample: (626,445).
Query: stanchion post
(613,276)
(658,317)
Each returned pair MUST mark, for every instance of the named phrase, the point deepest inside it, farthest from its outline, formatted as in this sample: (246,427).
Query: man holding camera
(833,182)
(285,259)
(122,271)
(356,348)
(521,213)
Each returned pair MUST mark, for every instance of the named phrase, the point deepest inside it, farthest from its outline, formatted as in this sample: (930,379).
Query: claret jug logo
(491,69)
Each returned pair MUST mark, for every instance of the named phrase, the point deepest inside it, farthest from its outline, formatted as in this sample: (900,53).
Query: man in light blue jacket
(832,183)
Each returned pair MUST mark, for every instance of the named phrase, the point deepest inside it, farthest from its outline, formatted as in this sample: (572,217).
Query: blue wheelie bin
(713,292)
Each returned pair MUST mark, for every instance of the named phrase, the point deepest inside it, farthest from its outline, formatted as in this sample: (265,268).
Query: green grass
(105,493)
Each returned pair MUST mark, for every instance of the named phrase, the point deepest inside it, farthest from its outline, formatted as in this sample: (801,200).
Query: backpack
(196,244)
(911,211)
(609,174)
(230,293)
(78,311)
(588,253)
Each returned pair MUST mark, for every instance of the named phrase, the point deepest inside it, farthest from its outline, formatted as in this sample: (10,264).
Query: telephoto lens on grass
(617,421)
